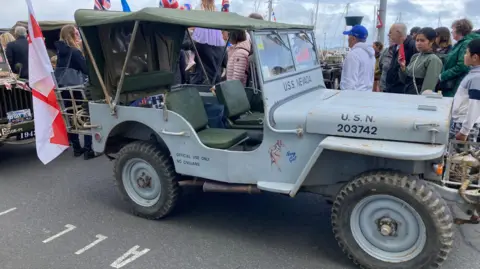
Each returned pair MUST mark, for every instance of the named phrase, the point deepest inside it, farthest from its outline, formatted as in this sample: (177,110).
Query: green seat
(255,99)
(188,103)
(232,95)
(221,138)
(147,81)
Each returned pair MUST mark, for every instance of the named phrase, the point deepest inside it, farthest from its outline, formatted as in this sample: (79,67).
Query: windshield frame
(264,80)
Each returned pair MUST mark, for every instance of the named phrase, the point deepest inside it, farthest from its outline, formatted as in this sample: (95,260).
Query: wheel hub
(144,181)
(141,182)
(387,226)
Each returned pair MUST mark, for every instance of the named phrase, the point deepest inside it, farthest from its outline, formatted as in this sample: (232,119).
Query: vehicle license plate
(19,116)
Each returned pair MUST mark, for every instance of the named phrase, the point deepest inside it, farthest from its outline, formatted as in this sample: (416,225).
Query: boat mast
(344,37)
(316,16)
(270,9)
(382,12)
(374,32)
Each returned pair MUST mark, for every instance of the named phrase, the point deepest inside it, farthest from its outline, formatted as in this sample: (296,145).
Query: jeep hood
(372,115)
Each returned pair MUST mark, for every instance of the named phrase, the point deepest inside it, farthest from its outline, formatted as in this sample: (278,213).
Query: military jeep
(16,119)
(16,111)
(379,158)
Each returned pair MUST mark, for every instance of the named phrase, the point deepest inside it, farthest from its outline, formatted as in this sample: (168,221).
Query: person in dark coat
(414,31)
(443,43)
(180,66)
(398,35)
(17,52)
(68,48)
(213,58)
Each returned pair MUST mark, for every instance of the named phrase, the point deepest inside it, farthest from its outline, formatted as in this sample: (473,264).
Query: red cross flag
(50,130)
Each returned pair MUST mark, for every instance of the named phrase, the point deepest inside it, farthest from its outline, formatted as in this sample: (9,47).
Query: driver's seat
(232,95)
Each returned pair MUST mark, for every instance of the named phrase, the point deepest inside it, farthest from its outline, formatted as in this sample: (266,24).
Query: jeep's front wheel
(146,178)
(389,220)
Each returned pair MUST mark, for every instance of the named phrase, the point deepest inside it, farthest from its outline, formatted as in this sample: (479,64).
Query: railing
(74,109)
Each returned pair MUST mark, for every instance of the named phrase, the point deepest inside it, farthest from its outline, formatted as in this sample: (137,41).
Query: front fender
(385,149)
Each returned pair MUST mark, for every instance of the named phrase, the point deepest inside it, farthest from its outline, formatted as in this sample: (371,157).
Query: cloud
(412,8)
(57,9)
(471,8)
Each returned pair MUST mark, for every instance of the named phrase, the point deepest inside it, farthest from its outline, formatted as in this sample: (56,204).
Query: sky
(330,20)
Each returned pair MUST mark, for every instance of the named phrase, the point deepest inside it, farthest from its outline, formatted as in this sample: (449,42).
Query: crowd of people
(421,62)
(210,45)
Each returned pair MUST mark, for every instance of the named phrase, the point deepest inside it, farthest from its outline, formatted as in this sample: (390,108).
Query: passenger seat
(188,103)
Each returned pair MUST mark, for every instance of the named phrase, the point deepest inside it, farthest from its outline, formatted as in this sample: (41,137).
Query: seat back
(148,81)
(255,99)
(188,103)
(232,95)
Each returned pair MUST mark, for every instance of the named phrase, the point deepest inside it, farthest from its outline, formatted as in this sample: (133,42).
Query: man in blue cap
(359,64)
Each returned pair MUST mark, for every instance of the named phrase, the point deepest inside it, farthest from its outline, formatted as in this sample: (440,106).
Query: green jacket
(426,67)
(454,68)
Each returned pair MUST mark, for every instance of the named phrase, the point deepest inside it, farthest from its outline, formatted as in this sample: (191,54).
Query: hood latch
(432,129)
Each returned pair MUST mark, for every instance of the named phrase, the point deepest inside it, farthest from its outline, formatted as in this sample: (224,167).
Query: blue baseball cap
(358,31)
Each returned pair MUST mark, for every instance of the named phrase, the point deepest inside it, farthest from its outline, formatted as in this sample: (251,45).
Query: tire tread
(161,163)
(425,194)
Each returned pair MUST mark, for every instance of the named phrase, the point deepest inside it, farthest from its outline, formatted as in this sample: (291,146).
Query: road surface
(68,215)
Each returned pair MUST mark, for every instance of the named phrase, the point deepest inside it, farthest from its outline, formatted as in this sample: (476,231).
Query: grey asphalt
(207,231)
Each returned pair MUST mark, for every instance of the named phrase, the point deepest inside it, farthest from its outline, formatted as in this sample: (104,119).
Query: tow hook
(474,219)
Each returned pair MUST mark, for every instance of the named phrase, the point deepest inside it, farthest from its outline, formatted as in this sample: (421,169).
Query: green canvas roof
(45,25)
(190,18)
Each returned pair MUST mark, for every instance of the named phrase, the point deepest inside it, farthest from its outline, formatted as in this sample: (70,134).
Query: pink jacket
(237,66)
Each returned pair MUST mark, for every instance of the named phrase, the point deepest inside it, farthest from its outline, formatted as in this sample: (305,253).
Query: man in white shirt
(359,65)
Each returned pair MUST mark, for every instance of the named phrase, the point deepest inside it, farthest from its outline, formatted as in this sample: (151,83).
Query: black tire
(164,167)
(432,209)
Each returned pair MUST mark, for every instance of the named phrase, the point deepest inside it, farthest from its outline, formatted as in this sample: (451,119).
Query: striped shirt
(466,102)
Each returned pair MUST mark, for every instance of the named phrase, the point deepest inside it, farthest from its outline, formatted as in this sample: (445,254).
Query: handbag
(67,76)
(446,86)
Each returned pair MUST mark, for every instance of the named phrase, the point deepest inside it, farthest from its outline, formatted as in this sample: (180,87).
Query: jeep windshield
(285,52)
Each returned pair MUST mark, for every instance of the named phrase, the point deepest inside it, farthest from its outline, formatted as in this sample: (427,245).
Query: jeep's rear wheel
(146,178)
(390,220)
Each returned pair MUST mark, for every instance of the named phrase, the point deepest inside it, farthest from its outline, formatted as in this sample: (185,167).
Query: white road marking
(122,261)
(69,227)
(99,237)
(8,211)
